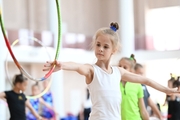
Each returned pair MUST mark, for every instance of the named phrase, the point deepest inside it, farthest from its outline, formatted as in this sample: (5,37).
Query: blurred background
(148,28)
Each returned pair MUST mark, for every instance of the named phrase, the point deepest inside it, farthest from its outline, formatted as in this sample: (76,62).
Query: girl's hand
(49,65)
(174,91)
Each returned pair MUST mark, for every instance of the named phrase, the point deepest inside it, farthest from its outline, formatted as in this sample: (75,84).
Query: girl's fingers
(48,64)
(46,69)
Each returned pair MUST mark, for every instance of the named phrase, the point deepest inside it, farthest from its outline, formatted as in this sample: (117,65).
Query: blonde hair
(111,32)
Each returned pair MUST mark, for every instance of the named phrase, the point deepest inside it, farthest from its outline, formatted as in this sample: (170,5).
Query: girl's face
(125,64)
(21,86)
(35,90)
(103,47)
(139,71)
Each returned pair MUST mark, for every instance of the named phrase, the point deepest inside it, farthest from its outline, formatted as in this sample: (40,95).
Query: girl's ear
(114,51)
(17,85)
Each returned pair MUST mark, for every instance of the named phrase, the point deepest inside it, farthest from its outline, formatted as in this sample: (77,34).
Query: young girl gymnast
(17,101)
(147,98)
(103,79)
(132,106)
(36,102)
(48,114)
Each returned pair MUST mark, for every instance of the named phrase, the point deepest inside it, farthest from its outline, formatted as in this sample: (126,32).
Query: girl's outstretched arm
(131,77)
(83,69)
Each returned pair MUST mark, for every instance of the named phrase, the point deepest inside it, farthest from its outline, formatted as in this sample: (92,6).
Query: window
(163,25)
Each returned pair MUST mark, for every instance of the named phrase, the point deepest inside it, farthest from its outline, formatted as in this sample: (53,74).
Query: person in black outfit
(168,98)
(87,106)
(17,101)
(175,103)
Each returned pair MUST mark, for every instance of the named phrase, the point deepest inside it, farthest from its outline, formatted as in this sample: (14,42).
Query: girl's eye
(125,67)
(106,47)
(98,45)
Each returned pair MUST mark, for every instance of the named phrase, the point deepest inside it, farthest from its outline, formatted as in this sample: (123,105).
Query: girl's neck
(16,90)
(105,66)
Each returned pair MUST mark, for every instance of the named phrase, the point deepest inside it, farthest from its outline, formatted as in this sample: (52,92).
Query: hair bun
(114,25)
(132,56)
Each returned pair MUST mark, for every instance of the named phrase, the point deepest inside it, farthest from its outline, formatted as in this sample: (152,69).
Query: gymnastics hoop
(6,67)
(14,43)
(57,49)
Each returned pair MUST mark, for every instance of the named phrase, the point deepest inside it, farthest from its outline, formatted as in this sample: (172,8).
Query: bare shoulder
(125,75)
(90,67)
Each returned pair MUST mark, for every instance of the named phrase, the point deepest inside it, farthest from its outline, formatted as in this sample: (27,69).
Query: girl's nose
(101,49)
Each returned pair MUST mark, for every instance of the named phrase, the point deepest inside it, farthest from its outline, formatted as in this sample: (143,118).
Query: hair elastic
(113,28)
(131,58)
